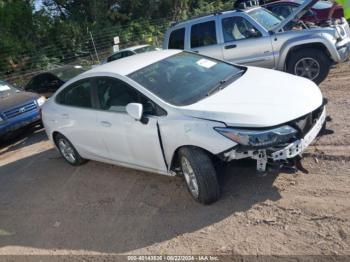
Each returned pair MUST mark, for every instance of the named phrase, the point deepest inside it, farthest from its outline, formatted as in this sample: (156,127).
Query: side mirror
(135,110)
(253,33)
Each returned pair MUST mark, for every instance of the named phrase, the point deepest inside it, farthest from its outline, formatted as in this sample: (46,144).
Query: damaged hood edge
(275,99)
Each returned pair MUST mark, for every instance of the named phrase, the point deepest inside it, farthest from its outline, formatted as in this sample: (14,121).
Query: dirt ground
(49,207)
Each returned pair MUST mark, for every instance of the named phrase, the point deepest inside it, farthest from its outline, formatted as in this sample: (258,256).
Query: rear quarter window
(77,94)
(177,39)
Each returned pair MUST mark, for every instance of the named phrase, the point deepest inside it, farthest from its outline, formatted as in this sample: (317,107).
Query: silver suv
(255,36)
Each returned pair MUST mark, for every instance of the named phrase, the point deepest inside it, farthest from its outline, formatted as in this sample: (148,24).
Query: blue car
(18,108)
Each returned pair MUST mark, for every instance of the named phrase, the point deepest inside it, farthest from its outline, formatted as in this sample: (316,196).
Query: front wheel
(200,175)
(309,63)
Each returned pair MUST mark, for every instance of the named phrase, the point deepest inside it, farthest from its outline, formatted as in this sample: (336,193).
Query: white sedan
(133,50)
(174,112)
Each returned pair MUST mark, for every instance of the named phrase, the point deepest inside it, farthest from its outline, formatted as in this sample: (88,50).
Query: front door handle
(230,46)
(195,51)
(65,116)
(105,124)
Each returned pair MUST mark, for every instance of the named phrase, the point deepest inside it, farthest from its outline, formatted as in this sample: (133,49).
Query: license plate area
(299,146)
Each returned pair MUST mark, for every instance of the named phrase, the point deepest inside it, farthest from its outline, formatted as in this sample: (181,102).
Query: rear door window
(203,34)
(177,39)
(114,95)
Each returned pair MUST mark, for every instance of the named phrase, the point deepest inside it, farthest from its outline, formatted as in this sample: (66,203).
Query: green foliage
(16,30)
(60,31)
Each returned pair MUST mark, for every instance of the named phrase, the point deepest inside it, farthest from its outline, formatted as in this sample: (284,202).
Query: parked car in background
(48,82)
(317,14)
(129,52)
(172,111)
(255,36)
(18,108)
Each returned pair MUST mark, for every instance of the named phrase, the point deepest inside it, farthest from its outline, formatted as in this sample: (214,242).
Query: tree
(16,30)
(59,32)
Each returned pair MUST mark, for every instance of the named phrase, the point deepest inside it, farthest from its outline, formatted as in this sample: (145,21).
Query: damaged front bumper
(263,156)
(299,146)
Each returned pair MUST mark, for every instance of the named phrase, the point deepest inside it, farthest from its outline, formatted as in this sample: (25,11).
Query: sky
(38,4)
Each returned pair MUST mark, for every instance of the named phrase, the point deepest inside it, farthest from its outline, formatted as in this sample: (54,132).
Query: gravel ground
(48,207)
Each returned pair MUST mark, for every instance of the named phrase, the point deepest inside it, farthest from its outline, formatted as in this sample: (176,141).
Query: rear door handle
(105,124)
(195,51)
(65,116)
(230,46)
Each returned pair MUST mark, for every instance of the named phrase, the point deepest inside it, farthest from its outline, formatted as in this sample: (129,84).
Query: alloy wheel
(67,150)
(190,176)
(307,67)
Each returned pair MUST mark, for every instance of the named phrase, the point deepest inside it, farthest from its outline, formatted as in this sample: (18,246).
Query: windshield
(7,89)
(265,18)
(185,78)
(319,5)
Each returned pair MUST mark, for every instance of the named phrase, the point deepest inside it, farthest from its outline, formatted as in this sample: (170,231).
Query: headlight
(259,138)
(41,100)
(339,32)
(336,35)
(1,120)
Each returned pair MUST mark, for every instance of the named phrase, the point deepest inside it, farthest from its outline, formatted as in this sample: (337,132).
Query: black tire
(310,55)
(204,174)
(76,160)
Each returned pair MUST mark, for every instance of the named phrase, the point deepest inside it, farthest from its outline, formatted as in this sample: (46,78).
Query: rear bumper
(20,121)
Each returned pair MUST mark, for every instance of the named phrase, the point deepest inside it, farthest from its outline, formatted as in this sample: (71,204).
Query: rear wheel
(200,175)
(309,63)
(68,152)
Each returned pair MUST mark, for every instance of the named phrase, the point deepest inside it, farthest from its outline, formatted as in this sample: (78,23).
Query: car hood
(297,14)
(260,98)
(11,100)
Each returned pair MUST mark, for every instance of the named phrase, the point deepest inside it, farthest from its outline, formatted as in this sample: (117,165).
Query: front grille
(305,123)
(20,110)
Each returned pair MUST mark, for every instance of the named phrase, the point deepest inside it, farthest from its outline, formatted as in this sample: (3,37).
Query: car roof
(63,73)
(132,48)
(199,18)
(203,17)
(133,63)
(294,2)
(282,1)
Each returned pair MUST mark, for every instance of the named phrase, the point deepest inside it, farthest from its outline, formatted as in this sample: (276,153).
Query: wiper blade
(215,88)
(220,85)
